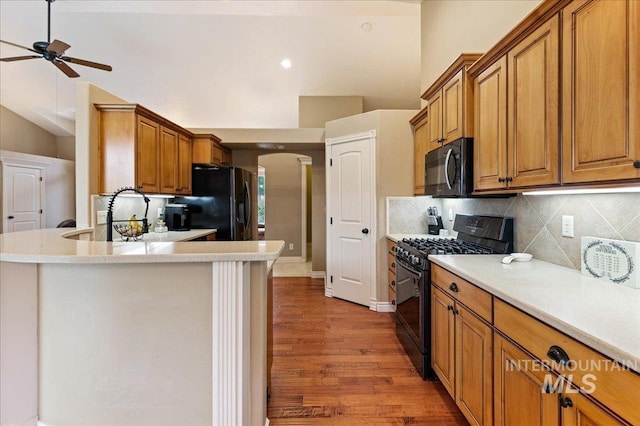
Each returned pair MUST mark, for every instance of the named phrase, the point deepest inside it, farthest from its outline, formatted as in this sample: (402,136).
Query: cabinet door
(420,147)
(168,160)
(435,121)
(474,366)
(581,411)
(600,95)
(490,143)
(184,165)
(147,154)
(452,109)
(442,338)
(533,109)
(518,388)
(226,156)
(216,154)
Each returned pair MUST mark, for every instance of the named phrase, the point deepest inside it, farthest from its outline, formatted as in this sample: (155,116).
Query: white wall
(450,28)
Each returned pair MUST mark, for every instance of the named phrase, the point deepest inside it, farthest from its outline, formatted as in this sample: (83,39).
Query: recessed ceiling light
(286,63)
(366,26)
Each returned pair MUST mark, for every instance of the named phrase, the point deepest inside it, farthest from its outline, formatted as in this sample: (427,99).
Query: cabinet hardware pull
(557,354)
(10,217)
(453,287)
(449,308)
(501,180)
(565,402)
(393,302)
(636,164)
(509,179)
(456,312)
(393,264)
(393,283)
(548,388)
(365,231)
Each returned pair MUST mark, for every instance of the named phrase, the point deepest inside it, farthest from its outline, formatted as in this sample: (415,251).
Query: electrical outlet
(290,246)
(567,226)
(101,217)
(450,215)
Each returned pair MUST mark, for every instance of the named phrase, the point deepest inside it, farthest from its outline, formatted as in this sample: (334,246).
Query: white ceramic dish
(517,257)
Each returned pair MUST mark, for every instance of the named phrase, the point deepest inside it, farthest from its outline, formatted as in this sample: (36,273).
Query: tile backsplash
(537,219)
(123,208)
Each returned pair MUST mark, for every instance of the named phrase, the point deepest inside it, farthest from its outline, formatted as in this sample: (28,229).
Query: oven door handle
(404,265)
(446,168)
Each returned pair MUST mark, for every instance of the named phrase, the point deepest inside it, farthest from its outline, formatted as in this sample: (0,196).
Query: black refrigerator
(221,199)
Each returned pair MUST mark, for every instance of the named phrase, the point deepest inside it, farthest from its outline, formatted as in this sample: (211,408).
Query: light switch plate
(567,226)
(101,217)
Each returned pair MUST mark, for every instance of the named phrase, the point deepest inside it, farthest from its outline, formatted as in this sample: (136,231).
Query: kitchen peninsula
(138,333)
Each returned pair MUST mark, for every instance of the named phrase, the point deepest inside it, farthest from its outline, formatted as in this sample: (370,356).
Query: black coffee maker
(177,217)
(434,221)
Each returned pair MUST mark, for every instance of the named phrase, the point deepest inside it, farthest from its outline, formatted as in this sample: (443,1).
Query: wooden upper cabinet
(168,160)
(184,164)
(533,112)
(140,149)
(490,141)
(207,150)
(450,103)
(420,148)
(434,105)
(147,155)
(517,114)
(601,90)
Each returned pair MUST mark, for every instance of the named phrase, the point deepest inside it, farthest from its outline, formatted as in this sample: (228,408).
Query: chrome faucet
(145,225)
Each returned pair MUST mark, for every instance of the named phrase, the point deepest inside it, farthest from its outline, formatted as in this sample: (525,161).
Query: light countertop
(49,246)
(600,314)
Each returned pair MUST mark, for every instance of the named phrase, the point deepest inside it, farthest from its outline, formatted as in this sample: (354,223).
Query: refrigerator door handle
(247,203)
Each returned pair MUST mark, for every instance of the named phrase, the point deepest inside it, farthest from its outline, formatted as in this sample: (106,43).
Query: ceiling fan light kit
(53,51)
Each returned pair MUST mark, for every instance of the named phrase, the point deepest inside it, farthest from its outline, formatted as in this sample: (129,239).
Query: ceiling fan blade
(87,63)
(19,58)
(65,68)
(58,47)
(20,46)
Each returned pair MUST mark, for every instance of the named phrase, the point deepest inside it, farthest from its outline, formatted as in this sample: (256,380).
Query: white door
(22,198)
(351,225)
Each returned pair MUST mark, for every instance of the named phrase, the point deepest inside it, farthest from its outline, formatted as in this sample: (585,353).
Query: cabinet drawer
(596,374)
(392,280)
(391,262)
(390,245)
(478,300)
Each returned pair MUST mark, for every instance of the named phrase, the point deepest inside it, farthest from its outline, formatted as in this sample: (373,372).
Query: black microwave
(448,170)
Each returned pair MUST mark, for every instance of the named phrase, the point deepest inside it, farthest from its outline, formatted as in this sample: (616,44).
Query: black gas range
(477,234)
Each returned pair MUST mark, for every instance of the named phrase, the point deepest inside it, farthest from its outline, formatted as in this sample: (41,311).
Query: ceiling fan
(53,51)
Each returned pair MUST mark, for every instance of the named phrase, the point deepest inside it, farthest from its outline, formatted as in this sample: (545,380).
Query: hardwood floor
(338,363)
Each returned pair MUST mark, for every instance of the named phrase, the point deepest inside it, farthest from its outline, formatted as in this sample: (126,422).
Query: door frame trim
(373,234)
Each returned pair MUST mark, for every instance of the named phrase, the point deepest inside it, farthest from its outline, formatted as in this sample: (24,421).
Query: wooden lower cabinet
(391,261)
(518,383)
(462,356)
(581,411)
(443,338)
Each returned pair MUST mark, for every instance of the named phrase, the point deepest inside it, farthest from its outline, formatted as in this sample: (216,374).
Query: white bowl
(518,257)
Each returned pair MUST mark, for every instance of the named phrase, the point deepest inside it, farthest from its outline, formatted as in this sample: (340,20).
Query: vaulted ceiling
(215,63)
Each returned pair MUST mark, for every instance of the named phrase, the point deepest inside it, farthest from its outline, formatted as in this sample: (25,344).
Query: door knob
(365,231)
(10,217)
